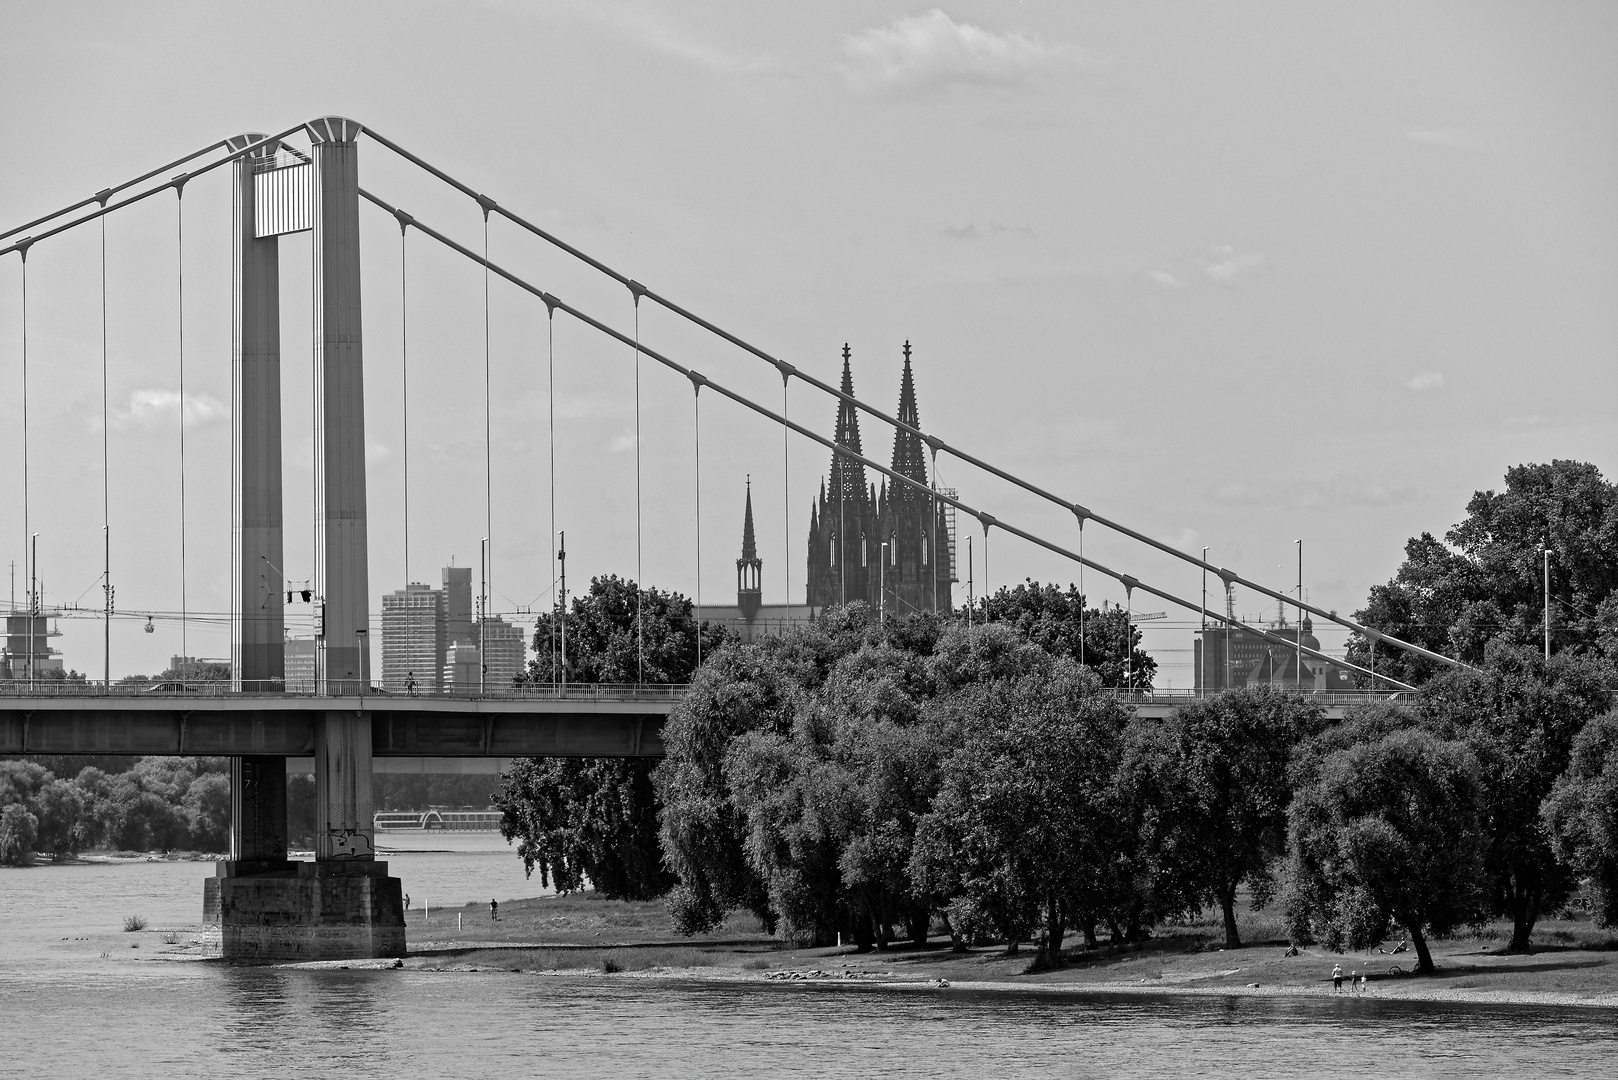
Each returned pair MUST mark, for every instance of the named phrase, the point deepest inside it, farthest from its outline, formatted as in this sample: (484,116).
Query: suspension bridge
(307,179)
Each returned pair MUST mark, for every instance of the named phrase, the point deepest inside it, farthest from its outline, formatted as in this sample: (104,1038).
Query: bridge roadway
(408,734)
(584,721)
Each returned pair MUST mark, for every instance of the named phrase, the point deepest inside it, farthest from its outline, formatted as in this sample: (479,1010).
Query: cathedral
(887,545)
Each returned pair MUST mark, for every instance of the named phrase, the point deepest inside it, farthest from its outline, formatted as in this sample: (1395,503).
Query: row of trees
(865,778)
(159,803)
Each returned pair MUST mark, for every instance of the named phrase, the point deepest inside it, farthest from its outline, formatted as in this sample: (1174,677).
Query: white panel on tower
(281,200)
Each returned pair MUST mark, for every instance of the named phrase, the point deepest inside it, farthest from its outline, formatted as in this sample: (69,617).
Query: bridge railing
(1321,697)
(21,688)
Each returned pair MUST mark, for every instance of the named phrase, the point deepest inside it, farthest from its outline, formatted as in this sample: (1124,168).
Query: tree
(1484,580)
(1058,622)
(595,819)
(1519,716)
(1388,832)
(64,824)
(1226,760)
(1011,833)
(1581,815)
(18,829)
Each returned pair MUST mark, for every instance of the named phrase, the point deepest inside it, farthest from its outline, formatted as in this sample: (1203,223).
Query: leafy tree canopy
(1484,581)
(1059,622)
(1581,814)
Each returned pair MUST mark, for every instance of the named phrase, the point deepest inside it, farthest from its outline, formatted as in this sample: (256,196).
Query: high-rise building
(413,639)
(502,647)
(463,663)
(300,665)
(458,605)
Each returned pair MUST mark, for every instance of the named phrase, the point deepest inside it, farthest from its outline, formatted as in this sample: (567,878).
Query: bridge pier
(344,905)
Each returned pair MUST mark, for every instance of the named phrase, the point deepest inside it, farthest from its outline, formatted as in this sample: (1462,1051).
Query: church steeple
(847,477)
(909,454)
(749,568)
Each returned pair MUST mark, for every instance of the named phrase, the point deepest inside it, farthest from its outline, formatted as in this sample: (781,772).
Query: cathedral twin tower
(887,546)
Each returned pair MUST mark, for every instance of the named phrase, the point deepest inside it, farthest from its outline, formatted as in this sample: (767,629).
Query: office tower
(413,639)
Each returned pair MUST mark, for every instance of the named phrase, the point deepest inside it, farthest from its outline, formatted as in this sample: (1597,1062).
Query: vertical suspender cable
(932,544)
(488,471)
(550,335)
(106,498)
(27,565)
(696,491)
(640,581)
(404,386)
(179,219)
(786,502)
(1083,600)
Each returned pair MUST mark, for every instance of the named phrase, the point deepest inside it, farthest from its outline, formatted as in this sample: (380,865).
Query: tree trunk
(1524,914)
(957,943)
(1089,929)
(1227,901)
(1053,933)
(862,932)
(917,923)
(1424,959)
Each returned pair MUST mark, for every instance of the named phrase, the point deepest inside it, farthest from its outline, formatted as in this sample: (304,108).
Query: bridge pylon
(343,905)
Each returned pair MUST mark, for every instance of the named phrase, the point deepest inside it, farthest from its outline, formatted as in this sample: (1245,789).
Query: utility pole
(106,622)
(561,555)
(1298,629)
(33,601)
(1547,603)
(969,601)
(1230,613)
(483,617)
(1202,653)
(882,587)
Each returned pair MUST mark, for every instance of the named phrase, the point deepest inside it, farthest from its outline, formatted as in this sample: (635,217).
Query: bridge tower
(344,904)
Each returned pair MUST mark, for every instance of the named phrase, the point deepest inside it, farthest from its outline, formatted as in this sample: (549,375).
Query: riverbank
(588,936)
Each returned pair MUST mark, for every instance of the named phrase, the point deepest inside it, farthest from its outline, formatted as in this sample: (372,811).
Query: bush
(18,829)
(133,923)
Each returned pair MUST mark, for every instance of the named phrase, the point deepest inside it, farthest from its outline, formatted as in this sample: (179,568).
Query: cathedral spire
(749,568)
(847,477)
(909,454)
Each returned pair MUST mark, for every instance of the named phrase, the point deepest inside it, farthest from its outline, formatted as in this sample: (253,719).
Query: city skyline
(1237,279)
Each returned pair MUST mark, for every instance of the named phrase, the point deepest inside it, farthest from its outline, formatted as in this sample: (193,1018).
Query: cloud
(1453,138)
(917,52)
(657,31)
(970,231)
(1165,279)
(1224,263)
(1539,420)
(151,409)
(1425,380)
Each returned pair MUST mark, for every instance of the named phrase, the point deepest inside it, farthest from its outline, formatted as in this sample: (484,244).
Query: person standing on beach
(1337,977)
(494,909)
(407,901)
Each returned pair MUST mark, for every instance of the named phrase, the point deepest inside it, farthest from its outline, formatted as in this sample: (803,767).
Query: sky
(1238,275)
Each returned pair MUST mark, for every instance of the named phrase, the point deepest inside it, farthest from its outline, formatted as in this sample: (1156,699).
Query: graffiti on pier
(348,844)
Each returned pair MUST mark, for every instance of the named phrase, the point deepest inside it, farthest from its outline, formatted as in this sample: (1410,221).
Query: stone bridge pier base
(342,906)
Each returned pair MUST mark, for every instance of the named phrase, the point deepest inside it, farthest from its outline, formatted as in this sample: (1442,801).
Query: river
(75,1001)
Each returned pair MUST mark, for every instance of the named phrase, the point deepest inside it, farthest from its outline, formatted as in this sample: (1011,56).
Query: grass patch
(133,923)
(757,963)
(171,938)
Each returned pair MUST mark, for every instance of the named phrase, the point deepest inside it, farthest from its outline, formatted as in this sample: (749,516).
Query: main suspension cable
(931,440)
(555,303)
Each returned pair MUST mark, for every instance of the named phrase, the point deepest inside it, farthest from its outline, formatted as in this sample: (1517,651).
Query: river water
(76,1000)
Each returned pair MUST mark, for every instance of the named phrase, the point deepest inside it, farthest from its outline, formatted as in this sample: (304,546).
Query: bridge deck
(284,724)
(585,721)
